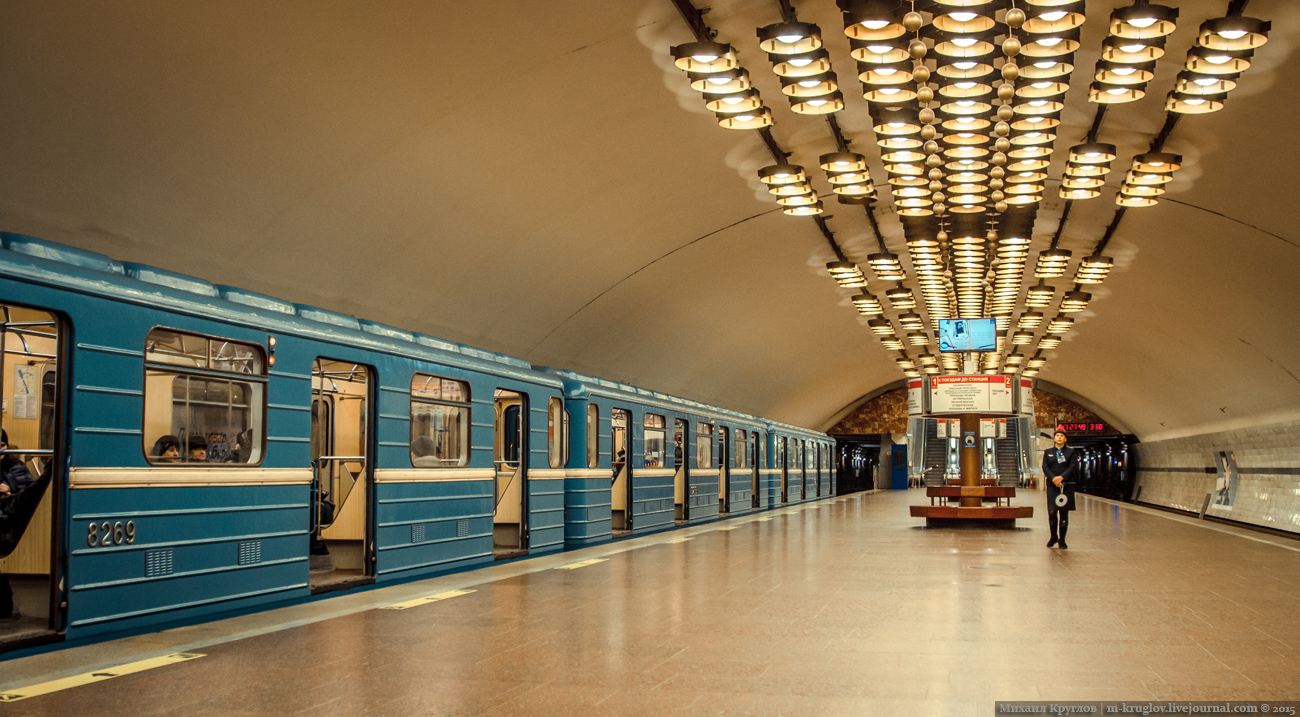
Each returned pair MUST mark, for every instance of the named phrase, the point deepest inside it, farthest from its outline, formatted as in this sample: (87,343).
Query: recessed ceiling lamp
(1054,17)
(1060,324)
(1198,104)
(927,359)
(896,73)
(1015,359)
(891,343)
(1052,262)
(1195,83)
(704,56)
(804,64)
(1143,20)
(819,104)
(912,373)
(1046,68)
(789,38)
(1036,362)
(1234,33)
(1022,338)
(1052,44)
(733,102)
(905,363)
(1115,73)
(1093,269)
(755,119)
(1079,194)
(896,121)
(1130,51)
(1049,341)
(1038,296)
(892,94)
(1080,171)
(782,174)
(963,20)
(911,321)
(798,200)
(872,19)
(901,298)
(809,86)
(918,338)
(1209,61)
(868,305)
(1157,162)
(1074,301)
(876,52)
(806,210)
(1093,153)
(789,190)
(1107,94)
(722,81)
(881,327)
(846,274)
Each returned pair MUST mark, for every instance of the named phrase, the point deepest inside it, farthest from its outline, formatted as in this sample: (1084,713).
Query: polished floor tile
(849,608)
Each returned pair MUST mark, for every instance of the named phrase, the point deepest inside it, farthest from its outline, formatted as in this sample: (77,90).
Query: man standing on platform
(1060,469)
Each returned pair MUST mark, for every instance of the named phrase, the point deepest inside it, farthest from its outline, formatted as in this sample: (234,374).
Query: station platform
(843,606)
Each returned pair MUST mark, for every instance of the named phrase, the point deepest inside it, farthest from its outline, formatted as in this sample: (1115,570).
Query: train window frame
(740,447)
(593,435)
(256,402)
(465,405)
(654,423)
(703,442)
(557,432)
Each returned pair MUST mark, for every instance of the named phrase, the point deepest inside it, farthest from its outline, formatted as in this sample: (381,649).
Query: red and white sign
(915,396)
(941,428)
(1002,428)
(971,394)
(988,428)
(1026,402)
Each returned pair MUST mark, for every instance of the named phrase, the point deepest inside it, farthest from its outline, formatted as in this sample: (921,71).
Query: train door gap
(342,533)
(681,476)
(510,463)
(783,460)
(32,481)
(756,469)
(621,489)
(724,470)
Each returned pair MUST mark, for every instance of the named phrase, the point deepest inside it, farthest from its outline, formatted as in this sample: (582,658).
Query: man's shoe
(1051,543)
(1063,545)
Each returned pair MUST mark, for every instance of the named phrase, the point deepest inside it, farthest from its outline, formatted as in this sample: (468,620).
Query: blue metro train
(201,449)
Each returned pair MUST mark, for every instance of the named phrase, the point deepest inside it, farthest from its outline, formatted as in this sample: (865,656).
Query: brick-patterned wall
(886,413)
(1178,473)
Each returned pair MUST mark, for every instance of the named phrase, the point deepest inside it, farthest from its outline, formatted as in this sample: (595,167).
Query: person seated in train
(14,476)
(243,449)
(198,450)
(166,450)
(424,452)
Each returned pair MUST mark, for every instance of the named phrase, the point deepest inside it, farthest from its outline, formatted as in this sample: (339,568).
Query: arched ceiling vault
(538,179)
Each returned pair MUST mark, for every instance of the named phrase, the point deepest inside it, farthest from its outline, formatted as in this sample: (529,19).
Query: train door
(510,460)
(755,479)
(681,478)
(724,470)
(817,468)
(32,489)
(802,457)
(342,537)
(621,487)
(785,470)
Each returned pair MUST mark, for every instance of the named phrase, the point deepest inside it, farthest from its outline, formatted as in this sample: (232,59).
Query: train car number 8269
(106,533)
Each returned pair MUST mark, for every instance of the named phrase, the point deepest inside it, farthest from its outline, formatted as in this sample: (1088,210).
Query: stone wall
(886,413)
(1180,472)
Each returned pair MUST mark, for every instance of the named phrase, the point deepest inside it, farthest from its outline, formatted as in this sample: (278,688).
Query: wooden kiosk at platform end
(970,398)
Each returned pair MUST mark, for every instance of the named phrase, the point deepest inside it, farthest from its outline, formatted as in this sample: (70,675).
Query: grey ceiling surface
(536,178)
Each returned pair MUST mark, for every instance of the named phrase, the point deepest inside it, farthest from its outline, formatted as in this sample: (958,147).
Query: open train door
(510,459)
(33,344)
(342,531)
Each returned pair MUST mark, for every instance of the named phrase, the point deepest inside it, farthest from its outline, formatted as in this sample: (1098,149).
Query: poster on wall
(1225,483)
(971,394)
(915,396)
(27,393)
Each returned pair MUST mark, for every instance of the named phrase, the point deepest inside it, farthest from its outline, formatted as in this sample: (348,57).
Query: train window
(654,443)
(593,435)
(679,441)
(762,449)
(703,445)
(439,422)
(557,432)
(741,448)
(204,400)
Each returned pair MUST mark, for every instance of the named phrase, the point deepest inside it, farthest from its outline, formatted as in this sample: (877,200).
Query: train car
(800,469)
(197,450)
(629,480)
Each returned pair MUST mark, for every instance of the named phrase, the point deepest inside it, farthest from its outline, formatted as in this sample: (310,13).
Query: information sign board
(915,396)
(971,394)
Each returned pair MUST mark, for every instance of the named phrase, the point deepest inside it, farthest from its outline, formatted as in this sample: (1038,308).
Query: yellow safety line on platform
(426,600)
(581,564)
(763,520)
(728,527)
(677,540)
(87,678)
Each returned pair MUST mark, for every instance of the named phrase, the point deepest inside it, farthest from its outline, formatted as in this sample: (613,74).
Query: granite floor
(846,606)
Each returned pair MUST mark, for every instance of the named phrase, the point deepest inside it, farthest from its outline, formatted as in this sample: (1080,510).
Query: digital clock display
(1082,427)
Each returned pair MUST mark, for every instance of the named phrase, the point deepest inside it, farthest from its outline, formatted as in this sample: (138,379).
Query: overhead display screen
(958,335)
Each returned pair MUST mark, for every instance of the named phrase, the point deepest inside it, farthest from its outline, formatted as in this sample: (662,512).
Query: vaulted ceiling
(538,179)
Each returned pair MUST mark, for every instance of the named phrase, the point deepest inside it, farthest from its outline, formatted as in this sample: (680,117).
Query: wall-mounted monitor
(960,335)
